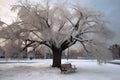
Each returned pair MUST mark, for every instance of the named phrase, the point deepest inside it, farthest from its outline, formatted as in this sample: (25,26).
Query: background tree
(115,49)
(59,26)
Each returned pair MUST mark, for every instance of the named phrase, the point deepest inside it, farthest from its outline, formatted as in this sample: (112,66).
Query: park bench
(67,68)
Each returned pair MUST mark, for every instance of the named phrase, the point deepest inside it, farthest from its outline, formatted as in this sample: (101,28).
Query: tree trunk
(56,57)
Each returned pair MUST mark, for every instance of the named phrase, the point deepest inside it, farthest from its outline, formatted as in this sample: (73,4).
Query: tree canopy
(58,26)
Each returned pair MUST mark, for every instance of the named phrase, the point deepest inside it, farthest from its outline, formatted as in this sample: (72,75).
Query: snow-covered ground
(42,70)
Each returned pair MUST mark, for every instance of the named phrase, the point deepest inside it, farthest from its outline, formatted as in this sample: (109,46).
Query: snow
(42,70)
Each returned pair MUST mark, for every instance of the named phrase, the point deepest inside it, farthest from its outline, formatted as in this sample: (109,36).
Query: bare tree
(59,26)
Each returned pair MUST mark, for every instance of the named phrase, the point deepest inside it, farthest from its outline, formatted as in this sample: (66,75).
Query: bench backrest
(66,66)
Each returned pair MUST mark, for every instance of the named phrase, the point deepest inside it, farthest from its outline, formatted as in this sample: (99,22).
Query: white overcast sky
(111,9)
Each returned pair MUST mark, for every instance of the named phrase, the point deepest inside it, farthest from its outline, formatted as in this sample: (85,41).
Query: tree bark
(56,57)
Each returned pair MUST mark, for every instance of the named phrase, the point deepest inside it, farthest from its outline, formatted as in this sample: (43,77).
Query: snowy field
(42,70)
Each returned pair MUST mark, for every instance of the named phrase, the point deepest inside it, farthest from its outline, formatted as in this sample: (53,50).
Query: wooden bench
(67,68)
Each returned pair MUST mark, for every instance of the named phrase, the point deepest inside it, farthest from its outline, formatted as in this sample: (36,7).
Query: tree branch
(68,43)
(62,25)
(84,47)
(82,42)
(39,42)
(28,45)
(87,32)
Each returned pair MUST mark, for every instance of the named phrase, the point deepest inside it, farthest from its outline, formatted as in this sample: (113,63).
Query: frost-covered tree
(11,38)
(59,26)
